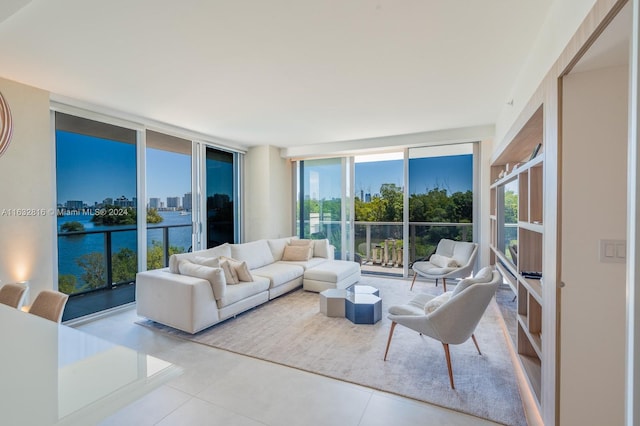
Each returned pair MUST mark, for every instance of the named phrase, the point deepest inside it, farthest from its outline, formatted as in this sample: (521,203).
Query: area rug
(291,331)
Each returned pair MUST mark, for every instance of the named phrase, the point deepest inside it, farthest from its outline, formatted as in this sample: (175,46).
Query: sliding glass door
(96,181)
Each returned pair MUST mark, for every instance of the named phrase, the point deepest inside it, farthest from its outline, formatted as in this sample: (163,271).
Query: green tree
(72,226)
(155,254)
(153,216)
(124,265)
(113,215)
(67,283)
(94,267)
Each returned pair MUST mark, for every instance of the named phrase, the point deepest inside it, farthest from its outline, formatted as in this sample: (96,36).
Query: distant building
(123,202)
(108,201)
(173,203)
(74,205)
(367,198)
(186,201)
(154,203)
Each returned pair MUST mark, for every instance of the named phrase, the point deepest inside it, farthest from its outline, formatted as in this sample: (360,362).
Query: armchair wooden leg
(444,284)
(393,326)
(415,275)
(473,336)
(448,356)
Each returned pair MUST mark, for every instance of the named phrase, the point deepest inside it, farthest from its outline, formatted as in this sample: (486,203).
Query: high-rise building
(74,205)
(173,202)
(123,202)
(154,203)
(186,201)
(108,201)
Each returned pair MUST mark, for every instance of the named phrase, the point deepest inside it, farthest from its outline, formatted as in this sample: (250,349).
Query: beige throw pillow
(241,269)
(297,252)
(229,272)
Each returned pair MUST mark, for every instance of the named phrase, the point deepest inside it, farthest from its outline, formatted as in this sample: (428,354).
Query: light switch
(613,251)
(609,250)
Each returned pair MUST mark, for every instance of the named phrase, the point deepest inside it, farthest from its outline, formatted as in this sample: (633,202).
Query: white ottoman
(331,274)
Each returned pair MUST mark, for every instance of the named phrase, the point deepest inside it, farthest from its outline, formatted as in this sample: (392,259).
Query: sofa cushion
(279,273)
(215,276)
(256,253)
(306,264)
(277,247)
(241,269)
(332,271)
(212,262)
(297,252)
(221,250)
(243,290)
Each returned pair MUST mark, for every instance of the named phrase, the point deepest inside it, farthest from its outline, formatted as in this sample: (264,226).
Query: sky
(453,173)
(108,170)
(82,174)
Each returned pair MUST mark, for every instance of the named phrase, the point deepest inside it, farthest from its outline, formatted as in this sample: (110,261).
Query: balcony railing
(379,246)
(104,244)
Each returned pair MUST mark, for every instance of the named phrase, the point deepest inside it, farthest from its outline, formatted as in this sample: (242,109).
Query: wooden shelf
(526,181)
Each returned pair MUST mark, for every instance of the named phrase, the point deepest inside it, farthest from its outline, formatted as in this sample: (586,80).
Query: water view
(74,251)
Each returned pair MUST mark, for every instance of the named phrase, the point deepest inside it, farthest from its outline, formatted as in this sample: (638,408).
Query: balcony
(97,268)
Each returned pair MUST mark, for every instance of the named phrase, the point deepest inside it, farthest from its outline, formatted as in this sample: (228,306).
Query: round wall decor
(6,125)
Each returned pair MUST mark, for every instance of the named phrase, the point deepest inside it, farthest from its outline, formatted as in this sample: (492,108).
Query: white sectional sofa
(193,293)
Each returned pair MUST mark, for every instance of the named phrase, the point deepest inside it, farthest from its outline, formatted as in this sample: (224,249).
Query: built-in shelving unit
(515,174)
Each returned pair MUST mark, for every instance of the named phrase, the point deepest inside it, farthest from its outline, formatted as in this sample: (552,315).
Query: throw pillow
(303,243)
(215,276)
(297,253)
(484,275)
(443,261)
(436,302)
(229,272)
(241,268)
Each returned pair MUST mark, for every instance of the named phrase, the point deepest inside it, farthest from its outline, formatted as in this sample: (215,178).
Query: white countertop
(51,374)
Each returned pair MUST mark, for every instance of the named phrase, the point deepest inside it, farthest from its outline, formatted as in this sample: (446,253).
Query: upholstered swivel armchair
(452,259)
(450,318)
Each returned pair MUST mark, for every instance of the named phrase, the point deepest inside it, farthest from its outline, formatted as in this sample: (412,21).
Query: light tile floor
(222,388)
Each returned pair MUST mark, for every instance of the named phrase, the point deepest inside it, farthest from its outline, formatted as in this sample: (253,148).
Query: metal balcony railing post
(107,249)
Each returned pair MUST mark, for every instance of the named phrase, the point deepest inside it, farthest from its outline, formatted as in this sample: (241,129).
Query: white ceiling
(280,72)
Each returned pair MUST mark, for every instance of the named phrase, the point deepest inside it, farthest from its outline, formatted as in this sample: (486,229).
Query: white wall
(268,203)
(26,175)
(594,205)
(564,18)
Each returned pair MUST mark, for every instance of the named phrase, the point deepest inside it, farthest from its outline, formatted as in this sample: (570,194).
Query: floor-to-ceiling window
(440,194)
(221,194)
(404,202)
(96,181)
(379,197)
(169,197)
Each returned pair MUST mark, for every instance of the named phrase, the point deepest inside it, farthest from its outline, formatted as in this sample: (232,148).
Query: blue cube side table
(362,308)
